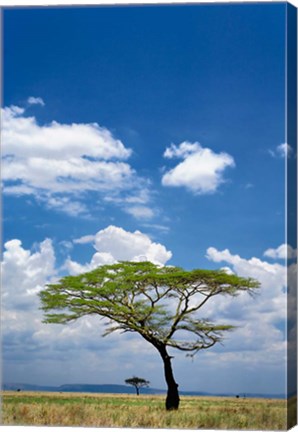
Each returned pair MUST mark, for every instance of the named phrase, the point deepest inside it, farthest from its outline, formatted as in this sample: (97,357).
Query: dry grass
(102,410)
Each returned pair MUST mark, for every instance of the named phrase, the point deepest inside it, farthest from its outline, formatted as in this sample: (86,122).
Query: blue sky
(144,131)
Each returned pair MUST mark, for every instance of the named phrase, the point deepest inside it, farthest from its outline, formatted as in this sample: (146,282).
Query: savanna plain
(144,411)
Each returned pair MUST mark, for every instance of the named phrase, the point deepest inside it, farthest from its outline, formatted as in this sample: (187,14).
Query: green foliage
(159,303)
(137,382)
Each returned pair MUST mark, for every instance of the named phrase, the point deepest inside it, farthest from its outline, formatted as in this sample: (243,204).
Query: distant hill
(81,388)
(118,389)
(28,387)
(106,388)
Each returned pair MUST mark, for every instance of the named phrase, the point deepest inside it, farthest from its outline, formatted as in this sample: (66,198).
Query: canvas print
(149,184)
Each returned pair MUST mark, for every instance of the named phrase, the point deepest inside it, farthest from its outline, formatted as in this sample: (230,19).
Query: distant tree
(137,383)
(158,303)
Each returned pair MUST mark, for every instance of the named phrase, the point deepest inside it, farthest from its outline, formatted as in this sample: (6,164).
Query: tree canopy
(162,304)
(137,383)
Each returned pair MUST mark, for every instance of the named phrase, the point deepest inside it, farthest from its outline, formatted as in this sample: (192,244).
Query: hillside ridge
(124,389)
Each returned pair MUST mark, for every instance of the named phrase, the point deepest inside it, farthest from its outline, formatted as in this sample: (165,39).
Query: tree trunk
(172,400)
(137,390)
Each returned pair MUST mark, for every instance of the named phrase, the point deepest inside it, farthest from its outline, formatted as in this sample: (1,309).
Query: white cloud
(25,138)
(35,101)
(134,203)
(270,304)
(282,252)
(283,150)
(259,338)
(227,270)
(84,239)
(66,205)
(98,259)
(140,212)
(272,276)
(66,245)
(184,150)
(201,170)
(158,227)
(131,246)
(60,163)
(114,244)
(25,273)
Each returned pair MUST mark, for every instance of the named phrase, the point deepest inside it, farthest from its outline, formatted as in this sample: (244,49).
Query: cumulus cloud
(283,150)
(24,137)
(59,163)
(272,276)
(35,101)
(201,170)
(227,270)
(284,251)
(114,244)
(270,304)
(259,340)
(125,245)
(25,272)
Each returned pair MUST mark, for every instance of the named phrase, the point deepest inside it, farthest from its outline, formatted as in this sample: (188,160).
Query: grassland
(103,410)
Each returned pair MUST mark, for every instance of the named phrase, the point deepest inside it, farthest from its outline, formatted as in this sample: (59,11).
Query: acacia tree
(137,383)
(161,304)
